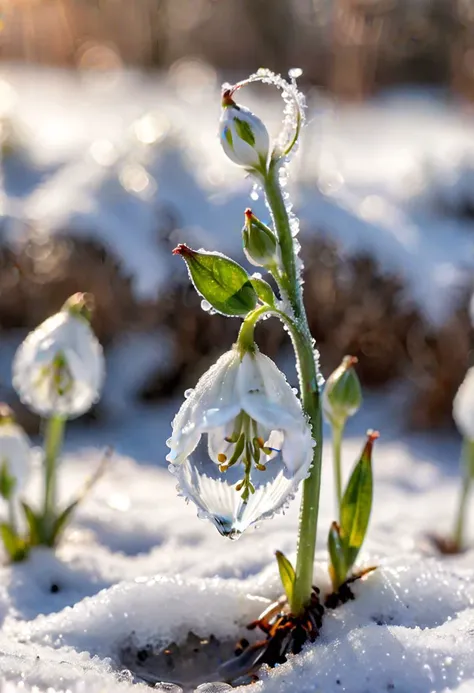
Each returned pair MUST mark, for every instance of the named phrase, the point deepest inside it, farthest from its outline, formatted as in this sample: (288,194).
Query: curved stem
(308,379)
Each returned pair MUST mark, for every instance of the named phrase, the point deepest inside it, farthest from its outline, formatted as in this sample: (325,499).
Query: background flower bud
(244,137)
(260,245)
(342,394)
(15,454)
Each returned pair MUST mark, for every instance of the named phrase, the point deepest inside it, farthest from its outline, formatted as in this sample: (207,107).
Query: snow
(144,171)
(136,560)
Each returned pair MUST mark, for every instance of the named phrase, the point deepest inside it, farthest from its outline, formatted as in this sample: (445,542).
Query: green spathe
(220,281)
(260,244)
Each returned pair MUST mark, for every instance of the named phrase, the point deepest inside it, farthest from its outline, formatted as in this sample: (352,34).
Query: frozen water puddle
(409,630)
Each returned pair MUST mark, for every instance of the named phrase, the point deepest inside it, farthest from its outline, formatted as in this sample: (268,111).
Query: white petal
(210,392)
(15,450)
(463,406)
(265,394)
(297,450)
(217,444)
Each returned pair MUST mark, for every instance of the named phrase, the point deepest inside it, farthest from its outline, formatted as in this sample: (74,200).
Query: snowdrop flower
(15,454)
(59,369)
(244,137)
(463,406)
(241,443)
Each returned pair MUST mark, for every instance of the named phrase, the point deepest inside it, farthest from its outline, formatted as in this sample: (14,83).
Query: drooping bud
(59,368)
(260,244)
(342,394)
(219,280)
(244,137)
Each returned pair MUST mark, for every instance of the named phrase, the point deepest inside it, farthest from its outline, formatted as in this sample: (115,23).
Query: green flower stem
(307,373)
(468,475)
(53,442)
(337,434)
(12,514)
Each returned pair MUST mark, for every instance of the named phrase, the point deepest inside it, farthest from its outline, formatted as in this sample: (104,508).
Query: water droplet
(254,195)
(295,72)
(206,306)
(216,687)
(188,392)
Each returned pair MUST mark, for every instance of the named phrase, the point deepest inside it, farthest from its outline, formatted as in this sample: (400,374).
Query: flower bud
(260,246)
(15,454)
(342,394)
(59,369)
(244,137)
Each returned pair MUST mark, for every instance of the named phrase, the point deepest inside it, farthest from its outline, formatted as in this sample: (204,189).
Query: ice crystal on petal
(241,443)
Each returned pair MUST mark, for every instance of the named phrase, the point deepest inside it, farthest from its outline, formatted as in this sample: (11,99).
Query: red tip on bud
(183,250)
(248,213)
(350,361)
(371,438)
(227,99)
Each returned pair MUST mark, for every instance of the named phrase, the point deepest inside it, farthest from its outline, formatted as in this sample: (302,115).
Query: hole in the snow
(188,664)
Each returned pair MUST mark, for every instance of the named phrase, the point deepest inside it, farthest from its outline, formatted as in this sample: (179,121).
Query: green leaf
(264,291)
(287,574)
(356,504)
(62,520)
(34,524)
(337,561)
(7,481)
(14,545)
(220,281)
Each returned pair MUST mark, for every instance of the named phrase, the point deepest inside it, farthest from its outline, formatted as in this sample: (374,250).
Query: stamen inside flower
(249,446)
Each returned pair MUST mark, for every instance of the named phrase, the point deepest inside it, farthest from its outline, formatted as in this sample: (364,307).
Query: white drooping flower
(463,406)
(15,451)
(244,137)
(59,368)
(241,443)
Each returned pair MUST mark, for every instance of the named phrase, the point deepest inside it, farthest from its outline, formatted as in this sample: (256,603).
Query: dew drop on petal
(188,392)
(163,687)
(217,687)
(254,194)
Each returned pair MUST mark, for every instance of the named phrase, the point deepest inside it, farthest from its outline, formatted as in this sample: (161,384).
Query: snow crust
(137,560)
(136,163)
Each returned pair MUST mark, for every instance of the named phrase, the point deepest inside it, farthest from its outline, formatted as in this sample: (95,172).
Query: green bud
(260,244)
(342,394)
(220,281)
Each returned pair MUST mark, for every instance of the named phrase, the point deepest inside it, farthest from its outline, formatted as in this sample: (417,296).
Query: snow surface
(136,559)
(135,162)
